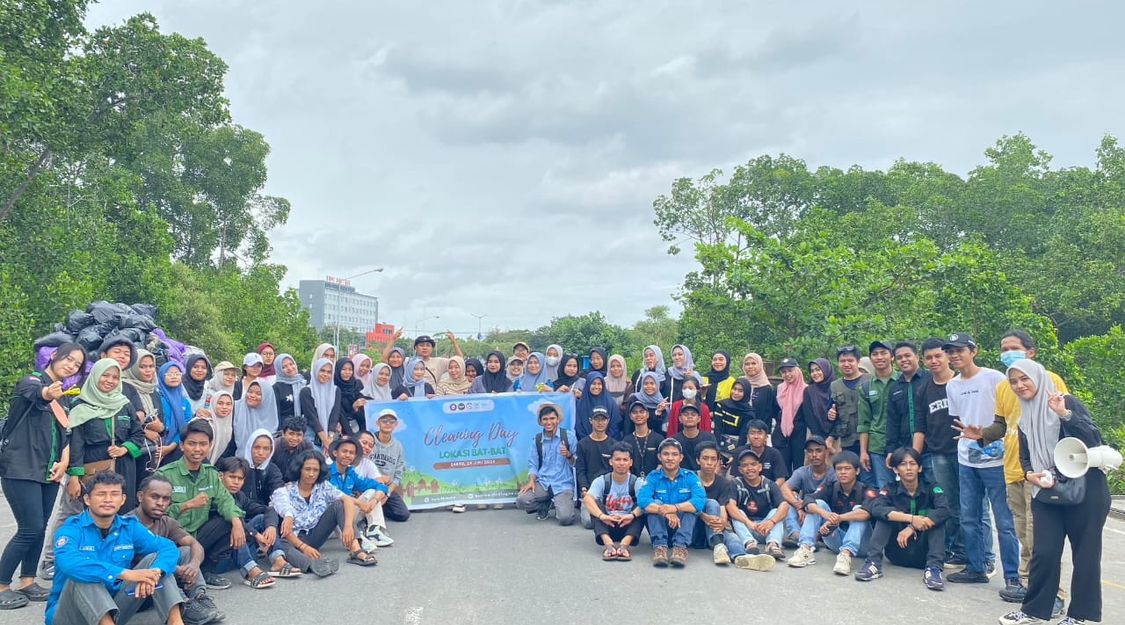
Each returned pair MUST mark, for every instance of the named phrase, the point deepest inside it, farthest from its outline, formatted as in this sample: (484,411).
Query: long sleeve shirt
(35,439)
(873,413)
(928,501)
(904,408)
(185,487)
(312,417)
(683,487)
(83,555)
(390,458)
(90,441)
(351,483)
(306,513)
(552,470)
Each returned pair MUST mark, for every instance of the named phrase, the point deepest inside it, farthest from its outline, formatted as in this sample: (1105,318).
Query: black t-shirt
(721,490)
(934,420)
(645,459)
(839,501)
(773,463)
(688,444)
(757,501)
(592,460)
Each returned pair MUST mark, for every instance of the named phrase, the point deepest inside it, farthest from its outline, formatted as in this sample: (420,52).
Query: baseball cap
(816,438)
(388,412)
(785,363)
(880,345)
(522,344)
(747,453)
(515,358)
(689,408)
(959,339)
(599,413)
(251,359)
(425,338)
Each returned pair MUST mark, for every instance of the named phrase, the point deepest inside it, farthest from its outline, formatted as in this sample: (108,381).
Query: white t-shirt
(619,502)
(973,401)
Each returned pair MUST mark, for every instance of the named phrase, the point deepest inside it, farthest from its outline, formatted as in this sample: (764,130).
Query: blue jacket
(83,555)
(685,487)
(351,482)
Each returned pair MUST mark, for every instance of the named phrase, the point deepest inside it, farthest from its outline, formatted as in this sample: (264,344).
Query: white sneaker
(367,544)
(802,558)
(1019,618)
(719,554)
(381,539)
(756,562)
(843,564)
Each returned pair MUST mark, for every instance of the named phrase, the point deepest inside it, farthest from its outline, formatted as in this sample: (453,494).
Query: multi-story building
(335,302)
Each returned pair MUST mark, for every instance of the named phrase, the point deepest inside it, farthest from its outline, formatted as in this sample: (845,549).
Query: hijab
(564,379)
(318,353)
(586,404)
(96,403)
(295,382)
(174,397)
(215,384)
(193,387)
(742,407)
(247,419)
(715,376)
(761,379)
(366,380)
(414,388)
(789,397)
(267,370)
(223,427)
(617,385)
(1038,422)
(495,382)
(381,393)
(247,452)
(132,377)
(530,382)
(605,361)
(448,385)
(650,401)
(323,395)
(350,390)
(553,371)
(660,370)
(820,393)
(398,374)
(678,373)
(475,364)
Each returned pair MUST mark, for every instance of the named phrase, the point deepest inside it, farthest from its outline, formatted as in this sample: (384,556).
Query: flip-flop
(609,553)
(623,554)
(353,558)
(287,570)
(10,600)
(34,592)
(261,581)
(324,567)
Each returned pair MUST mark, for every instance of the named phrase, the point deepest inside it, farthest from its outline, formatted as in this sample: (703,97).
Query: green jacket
(873,412)
(185,488)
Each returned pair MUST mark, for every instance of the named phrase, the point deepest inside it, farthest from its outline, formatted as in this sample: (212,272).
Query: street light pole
(336,335)
(479,317)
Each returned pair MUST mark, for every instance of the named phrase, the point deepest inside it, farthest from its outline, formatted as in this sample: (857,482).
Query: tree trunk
(32,173)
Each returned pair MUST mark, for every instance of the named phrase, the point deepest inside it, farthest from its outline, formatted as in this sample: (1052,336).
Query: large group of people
(172,474)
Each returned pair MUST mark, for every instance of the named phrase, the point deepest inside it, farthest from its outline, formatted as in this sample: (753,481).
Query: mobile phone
(132,590)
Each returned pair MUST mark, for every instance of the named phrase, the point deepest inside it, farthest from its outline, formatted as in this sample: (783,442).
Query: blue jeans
(728,538)
(658,530)
(745,534)
(945,471)
(792,521)
(976,485)
(882,474)
(258,524)
(854,538)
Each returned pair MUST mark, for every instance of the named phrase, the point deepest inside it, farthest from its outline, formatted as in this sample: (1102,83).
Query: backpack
(606,478)
(539,445)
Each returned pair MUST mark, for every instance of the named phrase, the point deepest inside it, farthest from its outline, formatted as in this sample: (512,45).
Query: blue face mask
(1010,358)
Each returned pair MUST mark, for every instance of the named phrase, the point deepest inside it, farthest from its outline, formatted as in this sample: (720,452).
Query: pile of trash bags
(102,319)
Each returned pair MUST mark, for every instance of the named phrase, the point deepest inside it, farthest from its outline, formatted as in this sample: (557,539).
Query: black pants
(792,448)
(214,535)
(926,549)
(1082,525)
(617,534)
(394,509)
(31,504)
(332,520)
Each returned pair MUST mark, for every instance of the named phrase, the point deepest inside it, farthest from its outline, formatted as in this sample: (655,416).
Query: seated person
(550,476)
(369,494)
(773,463)
(690,435)
(389,457)
(717,534)
(910,519)
(311,509)
(96,580)
(200,502)
(673,498)
(835,513)
(154,497)
(289,443)
(232,471)
(758,514)
(262,476)
(804,480)
(611,504)
(592,459)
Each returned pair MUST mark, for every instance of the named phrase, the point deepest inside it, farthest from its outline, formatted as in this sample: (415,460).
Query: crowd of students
(255,468)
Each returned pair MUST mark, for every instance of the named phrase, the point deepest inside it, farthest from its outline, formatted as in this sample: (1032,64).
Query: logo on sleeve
(938,490)
(871,493)
(61,542)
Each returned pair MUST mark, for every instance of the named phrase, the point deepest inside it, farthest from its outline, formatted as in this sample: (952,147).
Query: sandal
(610,553)
(10,600)
(458,508)
(261,581)
(360,557)
(34,592)
(623,553)
(287,570)
(324,567)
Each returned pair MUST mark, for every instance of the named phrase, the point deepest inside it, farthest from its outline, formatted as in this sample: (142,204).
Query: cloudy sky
(500,157)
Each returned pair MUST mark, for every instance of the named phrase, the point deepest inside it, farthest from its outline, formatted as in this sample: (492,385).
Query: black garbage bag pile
(101,319)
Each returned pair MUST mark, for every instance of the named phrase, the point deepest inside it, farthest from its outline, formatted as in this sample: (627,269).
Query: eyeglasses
(847,349)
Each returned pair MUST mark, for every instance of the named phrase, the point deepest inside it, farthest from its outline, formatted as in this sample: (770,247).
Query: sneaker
(679,557)
(543,514)
(774,549)
(47,571)
(216,581)
(1014,591)
(755,562)
(720,555)
(869,571)
(660,556)
(990,569)
(932,578)
(954,561)
(381,539)
(1019,618)
(1057,611)
(1070,620)
(965,576)
(195,612)
(751,547)
(802,558)
(843,564)
(791,540)
(367,544)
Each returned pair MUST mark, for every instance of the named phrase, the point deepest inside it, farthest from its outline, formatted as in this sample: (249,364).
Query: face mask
(552,360)
(1009,358)
(689,393)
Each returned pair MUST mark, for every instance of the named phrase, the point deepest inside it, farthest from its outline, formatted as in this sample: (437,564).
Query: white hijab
(1039,424)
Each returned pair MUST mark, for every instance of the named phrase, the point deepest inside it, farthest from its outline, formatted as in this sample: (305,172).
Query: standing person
(642,441)
(972,402)
(873,414)
(654,403)
(326,350)
(389,457)
(473,369)
(534,378)
(683,366)
(1047,416)
(732,419)
(520,350)
(94,585)
(454,382)
(611,503)
(287,388)
(223,378)
(435,365)
(493,379)
(195,383)
(594,398)
(515,372)
(763,397)
(395,357)
(653,362)
(251,370)
(554,355)
(690,435)
(256,410)
(362,365)
(903,407)
(550,477)
(269,356)
(381,382)
(818,400)
(352,400)
(692,396)
(790,434)
(598,361)
(718,380)
(617,381)
(844,413)
(175,406)
(34,456)
(672,497)
(570,378)
(139,386)
(592,457)
(320,405)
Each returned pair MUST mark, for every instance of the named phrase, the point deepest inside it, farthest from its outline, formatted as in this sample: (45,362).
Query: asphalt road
(504,567)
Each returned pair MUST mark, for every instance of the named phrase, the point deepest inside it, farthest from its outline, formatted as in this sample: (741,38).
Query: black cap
(689,408)
(816,438)
(959,339)
(637,403)
(599,413)
(746,453)
(880,345)
(785,363)
(425,338)
(340,441)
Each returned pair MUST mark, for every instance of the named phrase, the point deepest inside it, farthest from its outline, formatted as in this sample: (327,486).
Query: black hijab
(495,382)
(605,361)
(564,379)
(716,376)
(193,388)
(742,408)
(350,390)
(475,364)
(820,394)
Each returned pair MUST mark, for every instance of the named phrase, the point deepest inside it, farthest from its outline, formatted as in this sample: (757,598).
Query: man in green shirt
(872,428)
(201,504)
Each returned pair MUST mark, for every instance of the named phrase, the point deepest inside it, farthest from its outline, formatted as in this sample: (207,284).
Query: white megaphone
(1073,458)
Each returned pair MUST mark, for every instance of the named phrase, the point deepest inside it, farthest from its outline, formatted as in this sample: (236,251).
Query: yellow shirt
(722,391)
(1008,406)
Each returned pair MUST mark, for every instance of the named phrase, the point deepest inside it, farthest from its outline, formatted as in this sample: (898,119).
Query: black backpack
(539,445)
(606,480)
